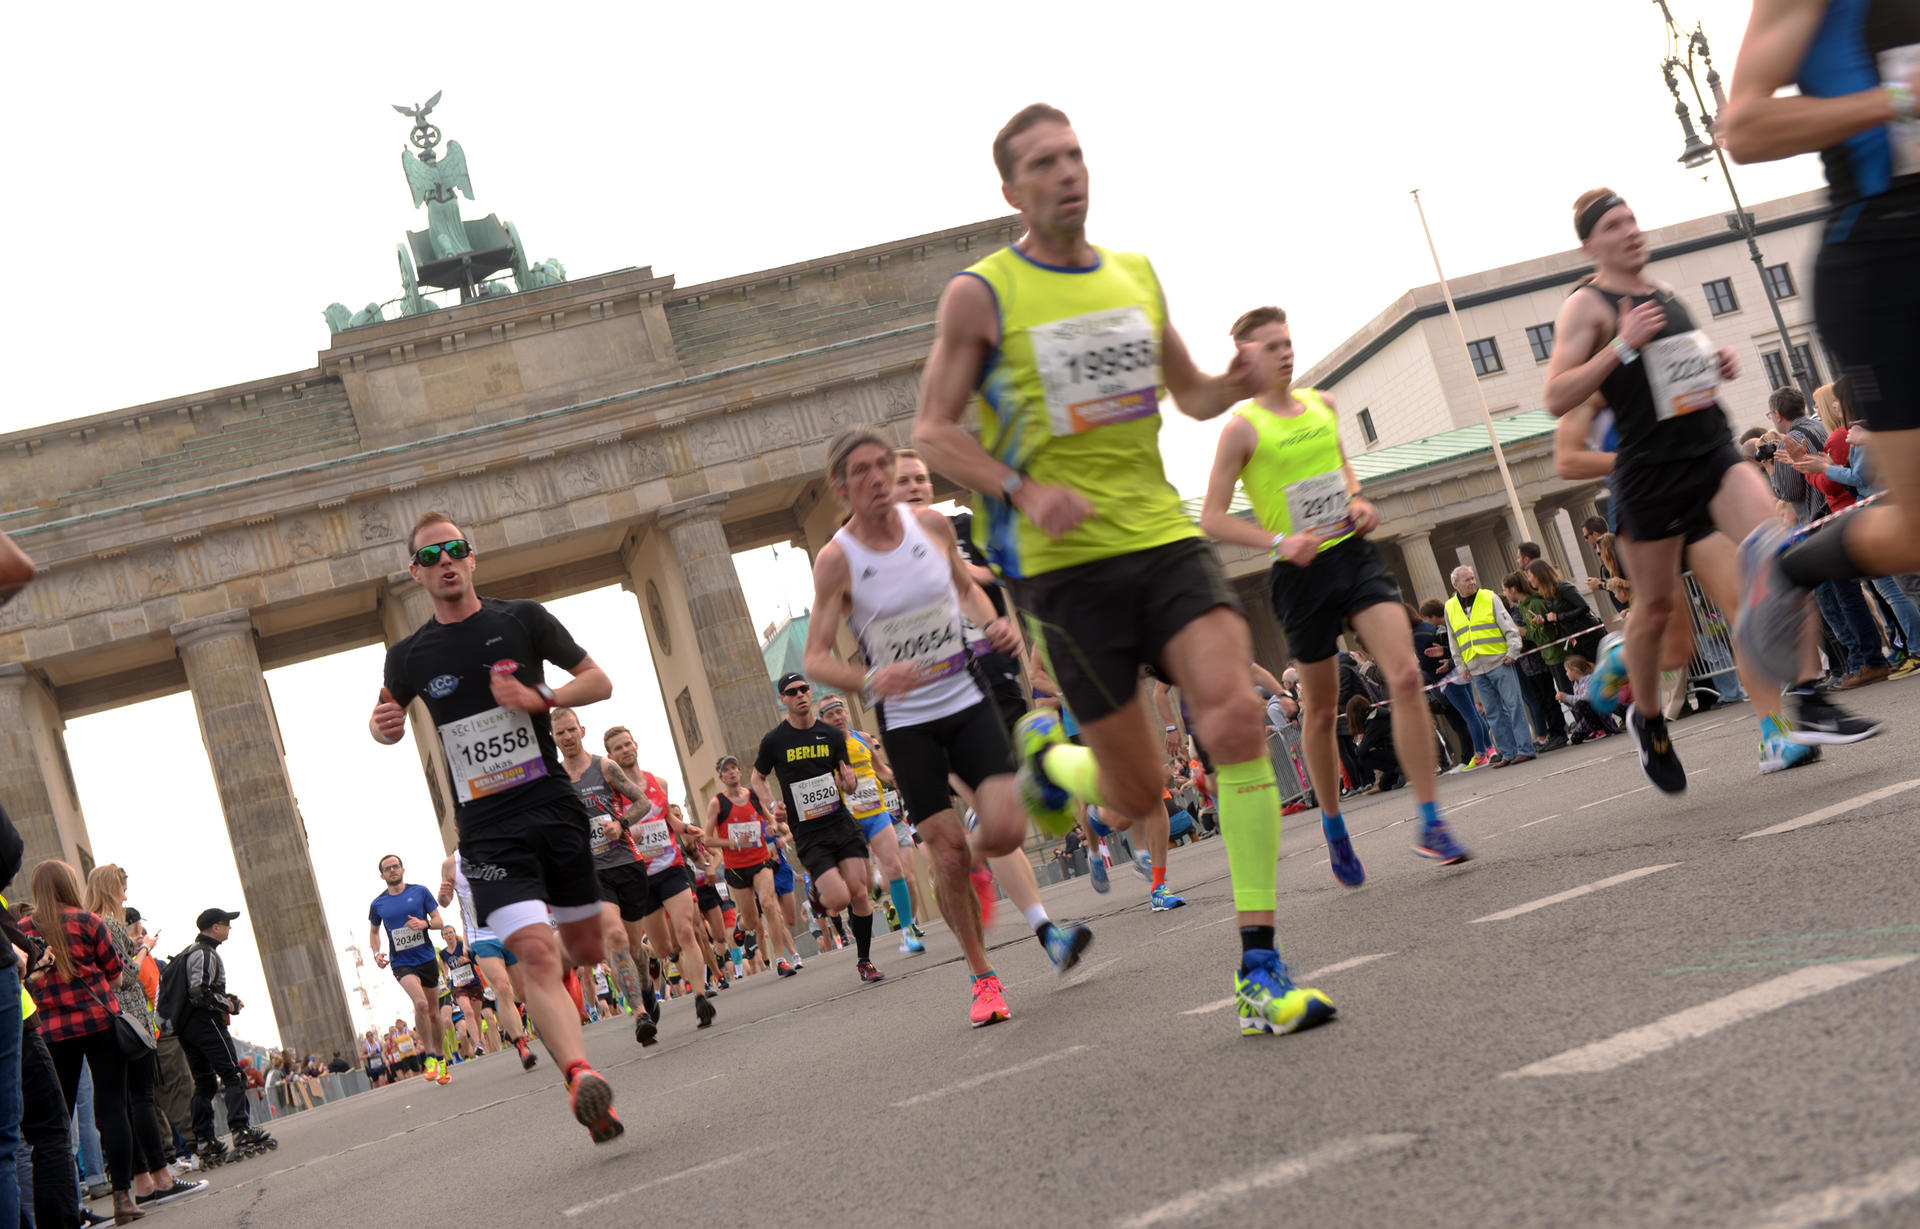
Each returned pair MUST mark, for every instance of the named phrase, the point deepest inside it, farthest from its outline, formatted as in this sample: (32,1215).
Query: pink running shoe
(989,1003)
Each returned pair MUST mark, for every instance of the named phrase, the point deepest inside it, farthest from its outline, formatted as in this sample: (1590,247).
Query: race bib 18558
(1098,369)
(492,752)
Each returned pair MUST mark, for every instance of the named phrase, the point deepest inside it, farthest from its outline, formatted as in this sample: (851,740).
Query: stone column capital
(686,511)
(15,670)
(212,627)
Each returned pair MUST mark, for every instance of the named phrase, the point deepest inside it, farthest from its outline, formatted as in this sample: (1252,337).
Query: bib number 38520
(816,796)
(492,752)
(1098,369)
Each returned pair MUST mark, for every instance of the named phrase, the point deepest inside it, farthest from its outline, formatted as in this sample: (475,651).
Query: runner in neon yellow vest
(1284,448)
(1066,352)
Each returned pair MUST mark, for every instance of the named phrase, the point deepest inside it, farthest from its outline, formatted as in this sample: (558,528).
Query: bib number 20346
(492,752)
(1098,369)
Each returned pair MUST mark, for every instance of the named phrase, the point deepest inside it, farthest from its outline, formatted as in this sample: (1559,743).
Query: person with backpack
(194,998)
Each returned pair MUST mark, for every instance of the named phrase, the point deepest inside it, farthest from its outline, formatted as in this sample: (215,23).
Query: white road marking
(1543,819)
(976,1081)
(1337,967)
(1844,1200)
(1613,798)
(581,1209)
(1838,808)
(1696,1022)
(1573,893)
(1200,1202)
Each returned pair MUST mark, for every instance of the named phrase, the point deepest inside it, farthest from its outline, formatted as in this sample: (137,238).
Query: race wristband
(1624,352)
(1900,97)
(1169,729)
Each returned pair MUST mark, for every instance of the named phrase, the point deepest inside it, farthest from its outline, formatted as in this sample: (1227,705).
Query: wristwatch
(1011,484)
(545,693)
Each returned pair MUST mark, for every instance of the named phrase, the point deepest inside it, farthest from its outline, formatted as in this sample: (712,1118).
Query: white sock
(1037,915)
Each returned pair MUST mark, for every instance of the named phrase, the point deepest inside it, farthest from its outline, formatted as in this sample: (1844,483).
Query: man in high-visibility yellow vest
(1483,637)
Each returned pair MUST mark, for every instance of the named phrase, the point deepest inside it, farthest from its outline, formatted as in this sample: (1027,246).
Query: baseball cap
(213,917)
(720,764)
(789,679)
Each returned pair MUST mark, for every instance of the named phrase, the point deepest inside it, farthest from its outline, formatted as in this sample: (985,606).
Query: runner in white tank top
(494,960)
(896,576)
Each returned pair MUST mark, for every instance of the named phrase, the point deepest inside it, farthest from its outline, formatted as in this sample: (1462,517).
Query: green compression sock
(1075,770)
(1250,826)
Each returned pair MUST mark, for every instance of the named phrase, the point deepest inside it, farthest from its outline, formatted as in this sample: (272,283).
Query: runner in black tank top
(1624,337)
(1857,66)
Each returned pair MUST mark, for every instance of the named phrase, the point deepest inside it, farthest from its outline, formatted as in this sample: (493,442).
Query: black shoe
(645,1031)
(1818,721)
(1657,759)
(1554,742)
(179,1190)
(703,1008)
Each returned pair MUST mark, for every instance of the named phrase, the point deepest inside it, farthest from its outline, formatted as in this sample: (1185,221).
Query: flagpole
(1486,414)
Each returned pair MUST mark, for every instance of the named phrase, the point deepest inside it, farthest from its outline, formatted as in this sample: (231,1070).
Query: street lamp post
(1699,152)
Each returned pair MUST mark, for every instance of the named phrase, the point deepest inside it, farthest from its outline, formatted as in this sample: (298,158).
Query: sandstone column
(404,607)
(36,782)
(736,675)
(269,839)
(1422,568)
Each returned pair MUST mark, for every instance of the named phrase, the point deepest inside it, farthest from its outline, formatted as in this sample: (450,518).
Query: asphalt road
(1620,1013)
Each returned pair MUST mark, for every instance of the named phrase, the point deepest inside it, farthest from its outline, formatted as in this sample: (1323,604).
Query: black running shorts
(740,878)
(428,971)
(663,886)
(1098,623)
(626,886)
(1869,313)
(1313,602)
(825,843)
(1654,498)
(542,853)
(706,898)
(971,744)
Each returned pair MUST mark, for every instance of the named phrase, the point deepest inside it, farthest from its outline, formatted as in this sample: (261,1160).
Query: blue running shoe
(1098,866)
(1065,943)
(1164,900)
(1143,864)
(1049,806)
(1093,821)
(1609,675)
(1269,1002)
(1345,862)
(910,946)
(1437,842)
(1778,752)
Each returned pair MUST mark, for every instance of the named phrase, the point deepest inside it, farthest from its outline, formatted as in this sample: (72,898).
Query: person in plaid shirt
(73,989)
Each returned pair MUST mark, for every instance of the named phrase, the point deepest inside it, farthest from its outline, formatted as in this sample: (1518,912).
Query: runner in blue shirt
(406,910)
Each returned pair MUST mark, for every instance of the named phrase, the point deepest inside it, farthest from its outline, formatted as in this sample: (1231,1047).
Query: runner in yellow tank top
(1284,448)
(1066,351)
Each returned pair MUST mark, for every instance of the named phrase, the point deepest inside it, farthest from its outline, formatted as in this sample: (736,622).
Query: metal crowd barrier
(1712,644)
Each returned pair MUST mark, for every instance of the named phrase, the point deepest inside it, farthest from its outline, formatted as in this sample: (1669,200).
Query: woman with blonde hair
(106,899)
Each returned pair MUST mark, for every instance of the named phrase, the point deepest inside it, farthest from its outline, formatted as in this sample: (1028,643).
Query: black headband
(1591,215)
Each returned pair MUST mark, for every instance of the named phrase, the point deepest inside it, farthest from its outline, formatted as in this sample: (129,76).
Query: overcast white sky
(195,183)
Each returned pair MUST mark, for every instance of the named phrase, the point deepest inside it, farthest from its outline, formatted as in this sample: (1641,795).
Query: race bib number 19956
(492,752)
(1098,369)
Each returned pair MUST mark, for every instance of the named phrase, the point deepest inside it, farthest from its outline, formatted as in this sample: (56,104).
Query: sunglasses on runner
(801,690)
(427,556)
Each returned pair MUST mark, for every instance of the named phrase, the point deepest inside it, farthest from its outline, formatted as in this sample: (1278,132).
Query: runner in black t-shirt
(477,666)
(809,759)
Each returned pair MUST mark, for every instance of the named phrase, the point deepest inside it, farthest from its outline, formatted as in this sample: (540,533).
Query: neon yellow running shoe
(1049,806)
(1269,1002)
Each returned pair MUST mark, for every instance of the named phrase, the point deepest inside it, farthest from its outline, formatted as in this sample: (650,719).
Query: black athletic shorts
(1869,314)
(542,853)
(825,843)
(707,897)
(428,971)
(1655,498)
(740,878)
(1098,623)
(1312,603)
(663,886)
(971,744)
(626,886)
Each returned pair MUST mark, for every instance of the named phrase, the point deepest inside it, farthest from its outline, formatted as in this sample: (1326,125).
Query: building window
(1540,340)
(1367,432)
(1720,298)
(1780,282)
(1803,354)
(1485,355)
(1776,364)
